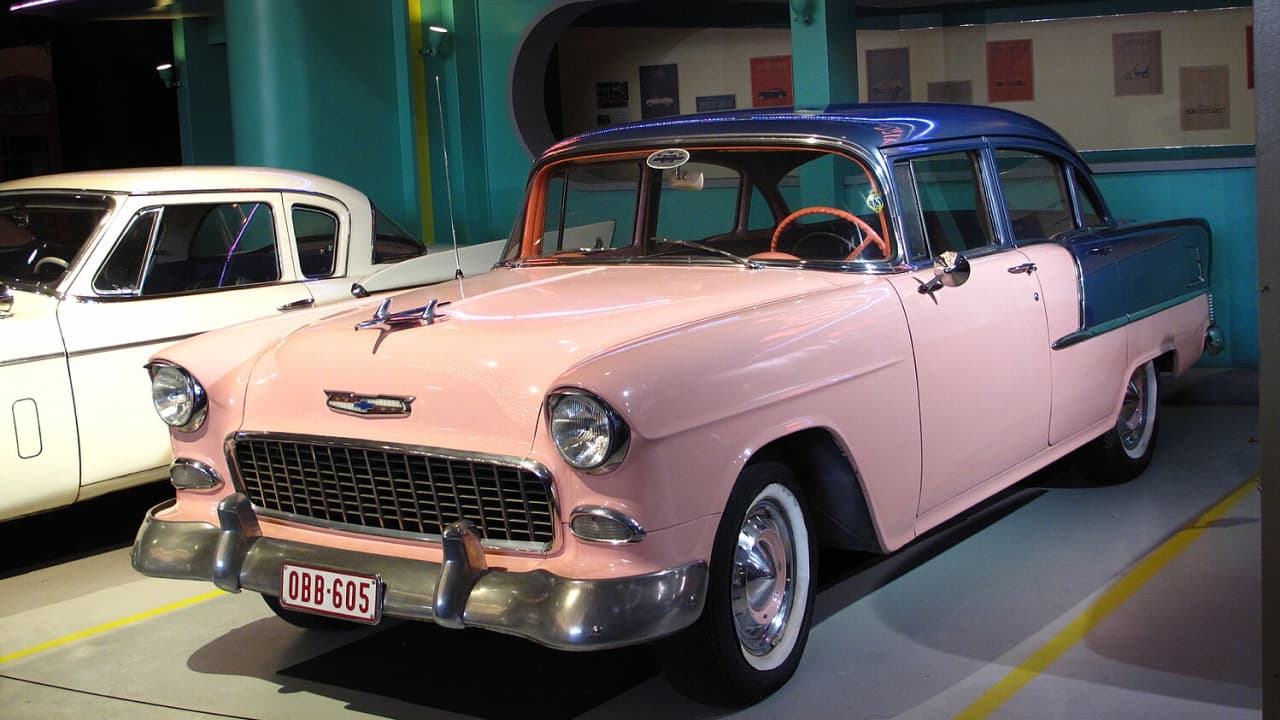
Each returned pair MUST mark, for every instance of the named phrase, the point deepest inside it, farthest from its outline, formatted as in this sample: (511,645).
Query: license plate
(328,592)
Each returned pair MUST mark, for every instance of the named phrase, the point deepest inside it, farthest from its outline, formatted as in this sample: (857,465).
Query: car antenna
(448,183)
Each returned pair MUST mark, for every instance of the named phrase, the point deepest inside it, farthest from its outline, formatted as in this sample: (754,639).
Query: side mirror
(950,269)
(6,301)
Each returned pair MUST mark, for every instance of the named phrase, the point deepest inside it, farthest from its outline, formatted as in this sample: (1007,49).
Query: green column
(270,108)
(204,115)
(824,54)
(319,85)
(824,68)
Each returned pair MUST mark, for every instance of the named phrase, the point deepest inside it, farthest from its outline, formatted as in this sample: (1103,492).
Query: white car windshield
(41,234)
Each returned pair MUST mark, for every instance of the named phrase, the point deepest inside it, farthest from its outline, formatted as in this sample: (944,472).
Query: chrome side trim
(538,469)
(186,293)
(126,346)
(1081,335)
(552,610)
(35,358)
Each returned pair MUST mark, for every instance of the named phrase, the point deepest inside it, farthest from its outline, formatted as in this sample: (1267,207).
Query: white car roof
(194,178)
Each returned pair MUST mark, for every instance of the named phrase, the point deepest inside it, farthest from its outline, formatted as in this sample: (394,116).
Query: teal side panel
(315,87)
(1227,198)
(204,95)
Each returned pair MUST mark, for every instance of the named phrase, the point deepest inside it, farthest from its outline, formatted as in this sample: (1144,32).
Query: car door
(181,265)
(981,349)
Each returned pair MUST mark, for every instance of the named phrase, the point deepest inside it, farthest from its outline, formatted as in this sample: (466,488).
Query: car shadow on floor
(106,523)
(430,667)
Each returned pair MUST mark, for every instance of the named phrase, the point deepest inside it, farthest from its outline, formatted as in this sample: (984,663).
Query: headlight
(178,398)
(587,432)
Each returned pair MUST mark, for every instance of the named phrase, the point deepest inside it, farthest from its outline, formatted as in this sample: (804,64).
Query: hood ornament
(349,403)
(425,315)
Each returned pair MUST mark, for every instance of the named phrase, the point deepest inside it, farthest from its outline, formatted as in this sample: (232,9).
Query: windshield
(41,234)
(745,205)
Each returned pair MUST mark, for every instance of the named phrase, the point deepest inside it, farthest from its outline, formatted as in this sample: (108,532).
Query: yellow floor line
(139,617)
(1112,599)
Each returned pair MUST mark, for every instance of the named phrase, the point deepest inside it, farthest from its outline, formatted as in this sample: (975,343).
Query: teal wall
(1227,198)
(330,86)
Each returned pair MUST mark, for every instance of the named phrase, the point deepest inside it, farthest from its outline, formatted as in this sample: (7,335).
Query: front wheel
(1126,449)
(759,606)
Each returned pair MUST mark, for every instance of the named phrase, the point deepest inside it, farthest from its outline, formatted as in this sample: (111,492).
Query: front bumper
(460,592)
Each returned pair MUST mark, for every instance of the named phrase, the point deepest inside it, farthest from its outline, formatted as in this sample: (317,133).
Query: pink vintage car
(713,345)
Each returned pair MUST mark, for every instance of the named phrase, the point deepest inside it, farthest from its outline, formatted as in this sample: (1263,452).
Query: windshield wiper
(705,248)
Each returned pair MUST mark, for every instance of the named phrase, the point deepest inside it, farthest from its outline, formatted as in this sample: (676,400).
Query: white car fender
(438,265)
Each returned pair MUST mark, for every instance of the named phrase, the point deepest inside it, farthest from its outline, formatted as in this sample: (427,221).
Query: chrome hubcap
(763,586)
(1133,413)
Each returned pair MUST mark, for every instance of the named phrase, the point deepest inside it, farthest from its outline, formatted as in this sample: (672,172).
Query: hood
(480,372)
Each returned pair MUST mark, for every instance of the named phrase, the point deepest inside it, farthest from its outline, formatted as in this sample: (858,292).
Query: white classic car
(98,270)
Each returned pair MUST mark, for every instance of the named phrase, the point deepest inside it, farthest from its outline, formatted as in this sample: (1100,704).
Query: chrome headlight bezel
(617,443)
(190,419)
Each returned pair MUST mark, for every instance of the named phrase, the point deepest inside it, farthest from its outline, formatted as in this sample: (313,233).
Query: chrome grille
(395,490)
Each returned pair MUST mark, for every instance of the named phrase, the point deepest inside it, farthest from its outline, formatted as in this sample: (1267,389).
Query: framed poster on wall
(613,102)
(1205,97)
(951,91)
(1010,73)
(889,75)
(1135,59)
(659,91)
(771,81)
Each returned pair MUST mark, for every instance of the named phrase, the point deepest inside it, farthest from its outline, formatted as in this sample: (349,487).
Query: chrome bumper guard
(461,592)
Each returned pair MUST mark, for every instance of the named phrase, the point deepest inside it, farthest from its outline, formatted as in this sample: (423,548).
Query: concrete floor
(1058,600)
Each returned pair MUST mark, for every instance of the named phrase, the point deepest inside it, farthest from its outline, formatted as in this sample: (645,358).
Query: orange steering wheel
(871,236)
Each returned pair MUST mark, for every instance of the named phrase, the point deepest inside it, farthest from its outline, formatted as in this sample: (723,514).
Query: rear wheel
(305,620)
(759,605)
(1126,449)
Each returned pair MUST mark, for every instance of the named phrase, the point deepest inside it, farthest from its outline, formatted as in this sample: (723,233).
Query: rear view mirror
(687,180)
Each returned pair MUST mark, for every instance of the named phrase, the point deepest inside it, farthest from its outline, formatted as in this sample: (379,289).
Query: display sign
(613,94)
(1205,97)
(951,91)
(659,91)
(771,81)
(1135,59)
(1010,73)
(889,75)
(613,102)
(712,103)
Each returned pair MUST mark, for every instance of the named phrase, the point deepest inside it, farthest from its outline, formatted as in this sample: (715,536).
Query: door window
(316,234)
(952,207)
(1035,194)
(189,248)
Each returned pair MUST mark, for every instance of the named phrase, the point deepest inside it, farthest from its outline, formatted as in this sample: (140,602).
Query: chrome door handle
(297,304)
(1023,268)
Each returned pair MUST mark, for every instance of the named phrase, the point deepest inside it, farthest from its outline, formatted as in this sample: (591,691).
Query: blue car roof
(869,125)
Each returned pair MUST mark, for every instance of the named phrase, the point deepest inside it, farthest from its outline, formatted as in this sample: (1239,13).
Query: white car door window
(193,247)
